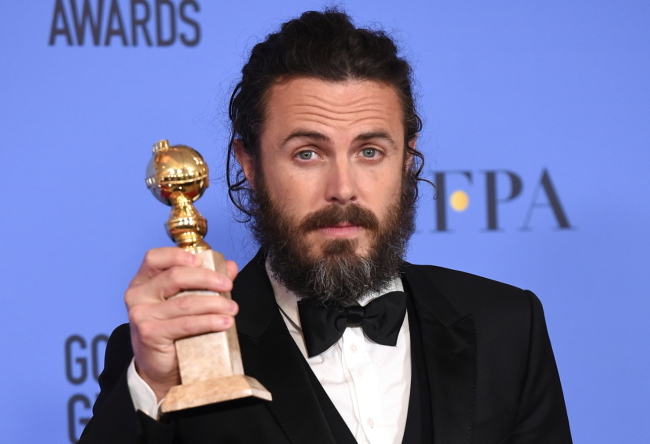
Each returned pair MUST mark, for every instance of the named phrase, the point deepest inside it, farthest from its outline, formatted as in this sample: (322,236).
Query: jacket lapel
(451,359)
(270,355)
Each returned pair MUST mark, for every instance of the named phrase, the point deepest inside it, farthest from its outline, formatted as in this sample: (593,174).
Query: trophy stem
(185,225)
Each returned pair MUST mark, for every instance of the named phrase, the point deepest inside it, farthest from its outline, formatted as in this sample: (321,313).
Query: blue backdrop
(536,132)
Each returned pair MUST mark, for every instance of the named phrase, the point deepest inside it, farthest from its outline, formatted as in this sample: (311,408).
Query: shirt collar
(288,301)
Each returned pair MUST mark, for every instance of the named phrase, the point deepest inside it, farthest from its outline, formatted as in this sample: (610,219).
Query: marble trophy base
(216,390)
(210,365)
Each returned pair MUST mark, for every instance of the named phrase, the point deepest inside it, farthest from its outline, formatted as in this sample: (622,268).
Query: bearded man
(323,162)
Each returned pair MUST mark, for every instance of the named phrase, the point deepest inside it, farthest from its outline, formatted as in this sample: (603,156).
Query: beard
(337,273)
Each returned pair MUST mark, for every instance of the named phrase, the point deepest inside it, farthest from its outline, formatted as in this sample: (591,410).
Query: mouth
(342,230)
(340,222)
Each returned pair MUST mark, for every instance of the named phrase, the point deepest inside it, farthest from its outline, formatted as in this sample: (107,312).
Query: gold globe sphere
(176,169)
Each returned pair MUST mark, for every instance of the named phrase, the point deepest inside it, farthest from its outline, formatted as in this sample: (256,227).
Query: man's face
(332,164)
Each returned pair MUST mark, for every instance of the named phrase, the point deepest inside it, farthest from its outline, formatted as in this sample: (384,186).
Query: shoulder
(470,294)
(457,279)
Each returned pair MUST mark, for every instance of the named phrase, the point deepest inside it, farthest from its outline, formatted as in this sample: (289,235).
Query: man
(324,137)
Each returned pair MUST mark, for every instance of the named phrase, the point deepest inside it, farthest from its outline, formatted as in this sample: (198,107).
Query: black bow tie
(323,325)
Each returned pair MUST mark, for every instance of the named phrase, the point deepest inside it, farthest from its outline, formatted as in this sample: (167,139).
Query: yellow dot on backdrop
(459,200)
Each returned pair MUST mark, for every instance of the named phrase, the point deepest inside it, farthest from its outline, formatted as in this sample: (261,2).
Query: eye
(369,152)
(306,155)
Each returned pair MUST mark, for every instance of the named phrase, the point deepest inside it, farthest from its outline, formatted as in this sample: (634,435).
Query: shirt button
(353,348)
(370,422)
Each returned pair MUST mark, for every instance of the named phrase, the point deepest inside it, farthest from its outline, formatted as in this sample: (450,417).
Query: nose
(341,182)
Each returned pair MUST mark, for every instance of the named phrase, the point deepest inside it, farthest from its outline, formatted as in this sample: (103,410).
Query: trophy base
(201,393)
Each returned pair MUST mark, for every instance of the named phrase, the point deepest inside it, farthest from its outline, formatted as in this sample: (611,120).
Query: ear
(245,161)
(408,158)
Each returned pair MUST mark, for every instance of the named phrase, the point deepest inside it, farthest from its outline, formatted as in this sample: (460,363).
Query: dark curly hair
(324,45)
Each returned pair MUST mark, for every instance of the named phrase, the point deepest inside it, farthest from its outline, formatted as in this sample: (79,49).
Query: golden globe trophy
(210,365)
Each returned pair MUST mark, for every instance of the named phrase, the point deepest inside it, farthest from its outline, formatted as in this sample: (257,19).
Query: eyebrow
(305,134)
(315,135)
(383,135)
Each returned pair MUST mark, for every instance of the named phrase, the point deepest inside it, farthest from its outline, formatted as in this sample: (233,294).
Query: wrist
(159,385)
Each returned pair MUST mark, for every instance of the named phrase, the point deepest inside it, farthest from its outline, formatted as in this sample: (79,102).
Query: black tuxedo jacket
(492,374)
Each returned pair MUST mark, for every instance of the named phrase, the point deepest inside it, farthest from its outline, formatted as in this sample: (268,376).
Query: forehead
(344,107)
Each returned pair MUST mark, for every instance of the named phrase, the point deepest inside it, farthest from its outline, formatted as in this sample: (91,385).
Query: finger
(185,326)
(174,280)
(159,259)
(233,269)
(186,305)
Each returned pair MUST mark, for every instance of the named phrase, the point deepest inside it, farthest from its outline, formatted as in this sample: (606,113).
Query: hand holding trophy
(210,365)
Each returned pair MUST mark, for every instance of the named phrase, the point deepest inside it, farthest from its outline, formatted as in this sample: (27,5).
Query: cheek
(292,186)
(380,191)
(293,193)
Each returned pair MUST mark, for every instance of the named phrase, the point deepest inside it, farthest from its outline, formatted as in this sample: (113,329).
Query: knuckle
(128,296)
(137,314)
(184,303)
(146,331)
(186,326)
(175,275)
(149,257)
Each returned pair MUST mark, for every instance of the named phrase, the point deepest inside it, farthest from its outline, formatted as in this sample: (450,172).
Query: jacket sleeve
(542,416)
(115,419)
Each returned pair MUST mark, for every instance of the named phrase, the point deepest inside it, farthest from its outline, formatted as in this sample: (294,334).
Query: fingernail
(226,321)
(233,306)
(193,259)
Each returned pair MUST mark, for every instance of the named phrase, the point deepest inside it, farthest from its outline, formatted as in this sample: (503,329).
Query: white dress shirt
(368,383)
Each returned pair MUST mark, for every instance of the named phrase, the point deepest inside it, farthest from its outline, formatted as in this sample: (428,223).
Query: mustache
(353,214)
